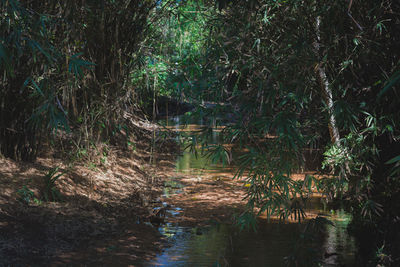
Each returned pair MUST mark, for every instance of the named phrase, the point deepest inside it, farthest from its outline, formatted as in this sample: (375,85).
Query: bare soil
(207,199)
(99,219)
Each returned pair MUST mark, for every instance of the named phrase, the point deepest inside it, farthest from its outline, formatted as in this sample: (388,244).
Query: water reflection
(172,186)
(226,245)
(198,164)
(338,243)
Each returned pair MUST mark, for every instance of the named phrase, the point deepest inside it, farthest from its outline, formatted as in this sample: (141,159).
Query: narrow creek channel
(220,244)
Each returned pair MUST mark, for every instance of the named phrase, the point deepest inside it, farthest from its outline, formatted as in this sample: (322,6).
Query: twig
(349,14)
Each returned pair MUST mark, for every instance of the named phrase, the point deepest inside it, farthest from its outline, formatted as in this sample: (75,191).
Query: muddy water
(226,245)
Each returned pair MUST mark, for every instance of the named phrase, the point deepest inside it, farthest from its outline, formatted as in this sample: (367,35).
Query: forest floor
(100,205)
(105,209)
(205,199)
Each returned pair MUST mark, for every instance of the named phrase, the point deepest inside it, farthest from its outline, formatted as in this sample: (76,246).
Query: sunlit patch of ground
(216,196)
(207,198)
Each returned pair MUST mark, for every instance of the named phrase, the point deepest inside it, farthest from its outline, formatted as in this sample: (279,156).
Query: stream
(226,245)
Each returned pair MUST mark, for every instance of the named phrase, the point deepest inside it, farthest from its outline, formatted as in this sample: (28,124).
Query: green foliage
(263,56)
(382,258)
(69,69)
(175,55)
(27,196)
(131,145)
(255,67)
(370,207)
(76,65)
(390,83)
(247,220)
(50,191)
(396,166)
(29,59)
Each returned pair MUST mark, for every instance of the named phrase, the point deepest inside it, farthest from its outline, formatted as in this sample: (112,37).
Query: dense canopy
(296,85)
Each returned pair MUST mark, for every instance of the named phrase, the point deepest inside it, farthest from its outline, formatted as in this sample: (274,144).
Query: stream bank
(106,214)
(100,216)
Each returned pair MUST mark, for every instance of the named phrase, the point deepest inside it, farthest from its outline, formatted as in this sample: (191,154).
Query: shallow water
(227,245)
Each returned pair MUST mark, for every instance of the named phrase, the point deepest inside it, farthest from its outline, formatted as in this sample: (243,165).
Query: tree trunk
(326,90)
(328,98)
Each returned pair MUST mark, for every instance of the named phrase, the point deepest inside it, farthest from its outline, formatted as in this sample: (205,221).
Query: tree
(302,75)
(66,63)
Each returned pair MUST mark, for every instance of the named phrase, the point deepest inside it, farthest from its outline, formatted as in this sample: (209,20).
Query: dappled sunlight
(199,133)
